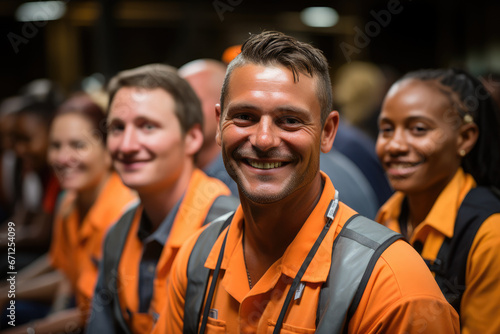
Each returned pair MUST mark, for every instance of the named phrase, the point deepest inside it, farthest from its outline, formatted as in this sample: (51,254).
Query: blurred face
(31,141)
(418,138)
(271,134)
(79,158)
(147,145)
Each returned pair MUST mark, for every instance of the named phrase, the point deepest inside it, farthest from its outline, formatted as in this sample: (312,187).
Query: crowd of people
(231,197)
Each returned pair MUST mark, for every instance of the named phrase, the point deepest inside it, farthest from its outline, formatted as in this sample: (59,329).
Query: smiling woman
(438,142)
(94,198)
(77,150)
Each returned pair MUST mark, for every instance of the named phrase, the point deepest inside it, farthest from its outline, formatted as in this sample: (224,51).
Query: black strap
(198,275)
(298,277)
(451,261)
(113,248)
(329,215)
(210,296)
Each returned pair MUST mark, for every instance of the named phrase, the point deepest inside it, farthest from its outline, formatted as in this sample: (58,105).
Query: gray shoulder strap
(222,205)
(113,248)
(355,252)
(198,275)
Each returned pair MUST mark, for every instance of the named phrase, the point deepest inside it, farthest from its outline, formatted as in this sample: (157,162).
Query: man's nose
(266,135)
(129,142)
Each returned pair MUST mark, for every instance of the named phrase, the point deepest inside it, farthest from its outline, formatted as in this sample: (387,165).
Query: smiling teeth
(265,165)
(402,165)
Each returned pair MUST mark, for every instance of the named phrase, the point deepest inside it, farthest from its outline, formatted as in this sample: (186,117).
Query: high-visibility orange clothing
(400,297)
(198,199)
(479,312)
(76,245)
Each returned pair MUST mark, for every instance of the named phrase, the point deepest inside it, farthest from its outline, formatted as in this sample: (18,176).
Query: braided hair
(473,103)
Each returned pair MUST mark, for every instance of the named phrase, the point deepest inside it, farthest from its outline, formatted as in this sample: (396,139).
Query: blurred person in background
(36,186)
(8,160)
(358,89)
(206,77)
(94,198)
(438,142)
(155,123)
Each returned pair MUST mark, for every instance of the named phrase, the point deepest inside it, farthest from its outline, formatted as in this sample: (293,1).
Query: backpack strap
(355,252)
(222,205)
(451,261)
(113,248)
(198,275)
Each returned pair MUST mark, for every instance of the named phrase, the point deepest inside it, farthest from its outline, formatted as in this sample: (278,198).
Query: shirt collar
(444,211)
(160,235)
(297,251)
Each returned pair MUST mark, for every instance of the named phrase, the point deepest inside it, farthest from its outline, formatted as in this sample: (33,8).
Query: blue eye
(148,126)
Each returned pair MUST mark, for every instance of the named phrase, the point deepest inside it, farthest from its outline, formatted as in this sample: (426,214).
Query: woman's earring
(462,153)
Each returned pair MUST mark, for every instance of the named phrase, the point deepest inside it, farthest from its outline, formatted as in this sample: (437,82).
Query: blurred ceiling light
(40,11)
(320,17)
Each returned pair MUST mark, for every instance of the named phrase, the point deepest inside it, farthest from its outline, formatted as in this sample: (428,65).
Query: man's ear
(467,138)
(194,140)
(218,116)
(329,131)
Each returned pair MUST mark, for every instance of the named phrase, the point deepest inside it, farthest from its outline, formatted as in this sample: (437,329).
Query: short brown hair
(187,105)
(276,48)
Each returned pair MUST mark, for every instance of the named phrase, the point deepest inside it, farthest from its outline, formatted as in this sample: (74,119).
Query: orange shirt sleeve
(61,232)
(480,309)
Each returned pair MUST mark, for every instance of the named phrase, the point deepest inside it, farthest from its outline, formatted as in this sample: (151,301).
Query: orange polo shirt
(480,309)
(198,199)
(76,246)
(401,295)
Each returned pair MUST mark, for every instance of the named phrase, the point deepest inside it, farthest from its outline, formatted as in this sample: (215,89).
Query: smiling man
(294,259)
(155,131)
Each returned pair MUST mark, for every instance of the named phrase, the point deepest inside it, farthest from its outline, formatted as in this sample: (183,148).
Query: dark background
(110,35)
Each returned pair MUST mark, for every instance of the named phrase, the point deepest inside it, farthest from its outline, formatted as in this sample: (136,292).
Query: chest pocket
(215,326)
(289,329)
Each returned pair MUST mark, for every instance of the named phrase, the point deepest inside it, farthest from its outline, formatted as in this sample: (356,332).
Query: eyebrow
(112,120)
(281,109)
(409,119)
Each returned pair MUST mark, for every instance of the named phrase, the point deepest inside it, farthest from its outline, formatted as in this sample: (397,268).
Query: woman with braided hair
(439,138)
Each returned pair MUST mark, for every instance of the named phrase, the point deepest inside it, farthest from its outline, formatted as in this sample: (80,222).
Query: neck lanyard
(329,215)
